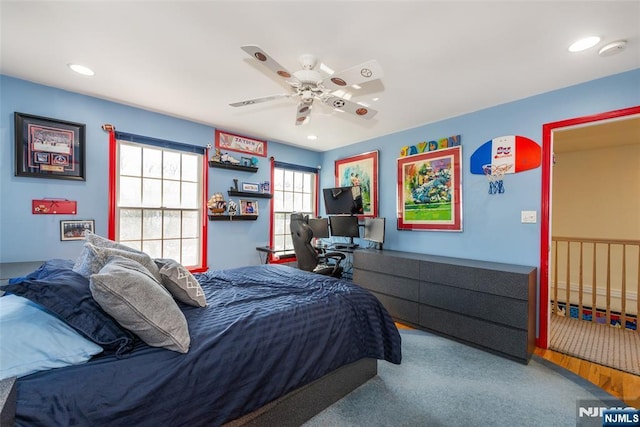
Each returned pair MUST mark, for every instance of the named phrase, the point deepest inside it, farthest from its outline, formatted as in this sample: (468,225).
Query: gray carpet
(445,383)
(613,347)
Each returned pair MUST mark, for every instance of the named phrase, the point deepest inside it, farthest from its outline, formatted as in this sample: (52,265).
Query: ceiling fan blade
(304,109)
(370,70)
(259,100)
(350,107)
(265,59)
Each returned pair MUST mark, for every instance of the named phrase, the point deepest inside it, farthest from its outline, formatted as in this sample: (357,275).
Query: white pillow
(181,283)
(34,340)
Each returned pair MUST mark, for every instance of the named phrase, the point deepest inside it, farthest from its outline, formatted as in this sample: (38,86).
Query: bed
(267,334)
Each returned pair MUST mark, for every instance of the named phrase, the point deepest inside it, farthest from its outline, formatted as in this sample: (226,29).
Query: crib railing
(601,273)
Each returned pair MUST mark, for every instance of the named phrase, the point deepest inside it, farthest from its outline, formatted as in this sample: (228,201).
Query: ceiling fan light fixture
(308,85)
(584,44)
(308,76)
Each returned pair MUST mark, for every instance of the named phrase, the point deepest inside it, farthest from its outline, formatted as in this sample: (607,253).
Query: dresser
(485,304)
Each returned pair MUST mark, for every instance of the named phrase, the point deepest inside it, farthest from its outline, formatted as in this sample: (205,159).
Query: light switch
(528,217)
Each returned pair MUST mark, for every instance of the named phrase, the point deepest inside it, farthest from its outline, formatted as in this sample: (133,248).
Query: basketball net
(495,175)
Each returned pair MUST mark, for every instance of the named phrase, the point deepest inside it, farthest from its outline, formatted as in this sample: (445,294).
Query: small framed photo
(245,161)
(75,229)
(248,207)
(251,187)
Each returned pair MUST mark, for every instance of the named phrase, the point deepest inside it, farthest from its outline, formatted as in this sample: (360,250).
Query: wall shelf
(250,194)
(220,165)
(233,217)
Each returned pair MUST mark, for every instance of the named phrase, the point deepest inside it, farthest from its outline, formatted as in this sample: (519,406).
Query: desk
(267,250)
(336,247)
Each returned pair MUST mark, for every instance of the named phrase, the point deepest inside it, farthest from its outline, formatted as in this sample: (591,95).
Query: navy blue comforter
(266,331)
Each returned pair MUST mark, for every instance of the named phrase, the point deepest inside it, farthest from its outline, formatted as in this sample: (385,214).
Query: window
(159,193)
(294,190)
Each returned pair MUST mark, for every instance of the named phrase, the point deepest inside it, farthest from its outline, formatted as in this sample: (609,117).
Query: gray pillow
(103,242)
(93,258)
(126,290)
(181,283)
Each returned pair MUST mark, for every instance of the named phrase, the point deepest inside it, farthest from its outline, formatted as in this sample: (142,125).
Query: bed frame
(299,406)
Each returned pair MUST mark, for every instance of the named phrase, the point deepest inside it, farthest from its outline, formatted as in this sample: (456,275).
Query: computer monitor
(374,230)
(320,227)
(341,201)
(344,226)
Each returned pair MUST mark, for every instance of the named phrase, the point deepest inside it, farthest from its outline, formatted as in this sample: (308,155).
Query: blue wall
(491,224)
(28,237)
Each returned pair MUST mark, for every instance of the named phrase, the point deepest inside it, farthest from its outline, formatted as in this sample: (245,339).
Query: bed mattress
(266,331)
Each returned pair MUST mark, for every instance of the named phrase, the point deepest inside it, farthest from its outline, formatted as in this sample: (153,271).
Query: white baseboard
(616,297)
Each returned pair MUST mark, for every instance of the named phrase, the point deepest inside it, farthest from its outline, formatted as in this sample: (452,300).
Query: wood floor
(622,385)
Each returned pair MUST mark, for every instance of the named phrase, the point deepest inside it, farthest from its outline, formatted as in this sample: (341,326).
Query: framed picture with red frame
(430,191)
(229,141)
(361,172)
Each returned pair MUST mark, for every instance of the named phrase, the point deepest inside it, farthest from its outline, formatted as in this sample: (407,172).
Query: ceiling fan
(308,84)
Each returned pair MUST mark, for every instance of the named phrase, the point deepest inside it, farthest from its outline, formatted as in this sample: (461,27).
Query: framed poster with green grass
(430,190)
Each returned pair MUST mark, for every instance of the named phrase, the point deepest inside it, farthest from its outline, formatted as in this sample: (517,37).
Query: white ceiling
(440,59)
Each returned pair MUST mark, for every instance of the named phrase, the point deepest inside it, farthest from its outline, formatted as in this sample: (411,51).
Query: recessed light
(585,43)
(312,137)
(81,69)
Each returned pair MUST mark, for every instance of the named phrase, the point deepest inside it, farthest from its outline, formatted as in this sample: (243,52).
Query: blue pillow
(34,340)
(46,268)
(66,293)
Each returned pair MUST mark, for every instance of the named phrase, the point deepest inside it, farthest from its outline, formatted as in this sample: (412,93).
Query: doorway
(548,131)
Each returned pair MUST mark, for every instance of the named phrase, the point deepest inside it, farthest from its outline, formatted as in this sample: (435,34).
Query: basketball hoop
(495,175)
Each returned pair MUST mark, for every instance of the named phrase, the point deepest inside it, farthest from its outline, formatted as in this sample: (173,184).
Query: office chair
(309,259)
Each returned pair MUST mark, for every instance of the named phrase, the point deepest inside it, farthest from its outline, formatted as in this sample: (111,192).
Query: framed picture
(49,148)
(251,187)
(229,141)
(245,161)
(360,171)
(75,229)
(248,207)
(430,191)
